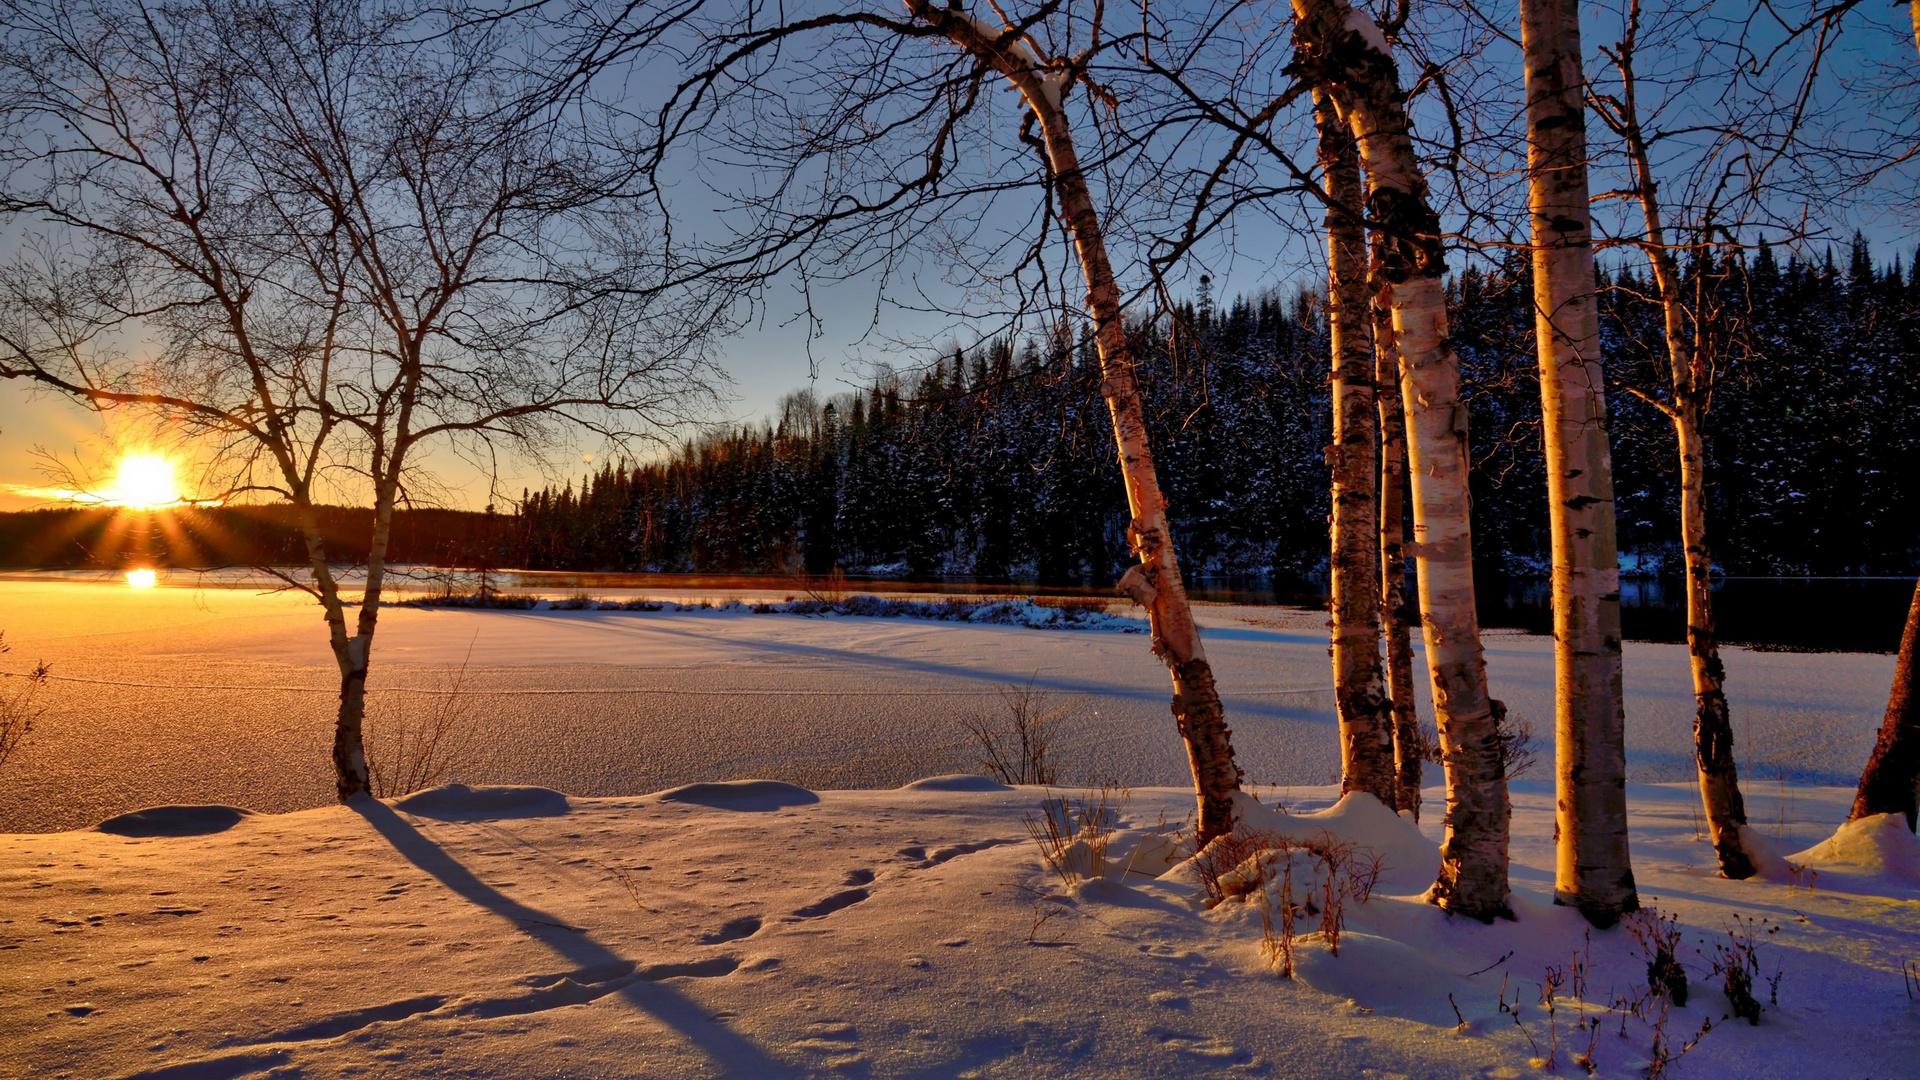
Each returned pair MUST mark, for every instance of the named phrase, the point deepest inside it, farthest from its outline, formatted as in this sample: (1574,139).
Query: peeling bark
(1592,870)
(1342,50)
(1359,688)
(1409,749)
(1156,581)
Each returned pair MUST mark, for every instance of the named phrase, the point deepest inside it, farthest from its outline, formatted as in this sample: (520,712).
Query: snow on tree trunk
(1689,374)
(1592,871)
(1409,749)
(1359,688)
(1890,784)
(1344,51)
(1155,582)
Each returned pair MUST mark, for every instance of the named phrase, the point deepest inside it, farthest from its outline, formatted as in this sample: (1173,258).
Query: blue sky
(770,357)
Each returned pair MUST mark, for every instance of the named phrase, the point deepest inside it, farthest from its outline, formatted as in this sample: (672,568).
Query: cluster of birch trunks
(1398,418)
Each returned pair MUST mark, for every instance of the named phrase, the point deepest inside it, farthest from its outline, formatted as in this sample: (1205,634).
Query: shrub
(18,712)
(1018,748)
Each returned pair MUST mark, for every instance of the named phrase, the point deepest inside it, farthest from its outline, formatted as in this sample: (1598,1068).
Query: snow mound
(1880,846)
(746,795)
(1409,861)
(955,782)
(487,801)
(175,821)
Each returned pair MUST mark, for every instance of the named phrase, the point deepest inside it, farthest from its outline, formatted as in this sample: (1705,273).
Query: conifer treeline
(998,463)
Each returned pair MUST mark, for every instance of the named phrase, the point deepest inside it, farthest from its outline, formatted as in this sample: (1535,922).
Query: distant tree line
(996,462)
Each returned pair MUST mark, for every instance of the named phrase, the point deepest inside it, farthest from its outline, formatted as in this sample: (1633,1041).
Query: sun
(144,482)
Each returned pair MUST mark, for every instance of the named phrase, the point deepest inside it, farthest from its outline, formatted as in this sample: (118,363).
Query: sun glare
(144,482)
(143,579)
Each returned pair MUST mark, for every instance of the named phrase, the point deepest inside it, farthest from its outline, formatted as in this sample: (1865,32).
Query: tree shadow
(733,1053)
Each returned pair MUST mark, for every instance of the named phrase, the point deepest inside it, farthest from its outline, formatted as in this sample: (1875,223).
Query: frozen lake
(226,695)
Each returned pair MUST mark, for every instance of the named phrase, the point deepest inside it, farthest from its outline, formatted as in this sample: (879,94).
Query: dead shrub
(18,712)
(405,754)
(1736,962)
(1072,834)
(1658,939)
(1317,878)
(1017,747)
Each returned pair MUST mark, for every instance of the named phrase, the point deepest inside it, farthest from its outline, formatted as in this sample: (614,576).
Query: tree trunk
(1344,51)
(1689,367)
(1155,582)
(1890,784)
(1409,749)
(1359,688)
(1720,795)
(1592,871)
(349,655)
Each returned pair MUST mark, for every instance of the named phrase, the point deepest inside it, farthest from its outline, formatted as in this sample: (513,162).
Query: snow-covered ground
(221,695)
(762,930)
(757,928)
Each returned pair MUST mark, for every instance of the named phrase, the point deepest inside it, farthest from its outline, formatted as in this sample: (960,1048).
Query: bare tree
(1592,870)
(1409,745)
(316,240)
(1359,687)
(1344,51)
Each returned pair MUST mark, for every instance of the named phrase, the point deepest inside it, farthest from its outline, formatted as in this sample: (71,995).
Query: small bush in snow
(1736,962)
(17,709)
(1658,939)
(1317,878)
(1017,747)
(407,753)
(1072,834)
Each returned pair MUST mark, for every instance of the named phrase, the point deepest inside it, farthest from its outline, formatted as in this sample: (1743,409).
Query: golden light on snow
(143,579)
(144,482)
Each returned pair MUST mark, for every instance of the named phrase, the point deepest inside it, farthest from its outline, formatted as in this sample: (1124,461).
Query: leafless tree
(316,240)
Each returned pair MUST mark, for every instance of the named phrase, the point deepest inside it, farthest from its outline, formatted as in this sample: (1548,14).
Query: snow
(226,696)
(1879,846)
(902,932)
(1362,23)
(174,821)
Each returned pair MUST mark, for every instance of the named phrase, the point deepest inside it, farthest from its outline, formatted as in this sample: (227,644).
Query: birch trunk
(1592,871)
(1689,370)
(1890,784)
(349,656)
(1409,750)
(1155,582)
(1359,688)
(1344,51)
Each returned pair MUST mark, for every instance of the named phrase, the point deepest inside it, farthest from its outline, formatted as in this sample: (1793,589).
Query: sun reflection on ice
(143,579)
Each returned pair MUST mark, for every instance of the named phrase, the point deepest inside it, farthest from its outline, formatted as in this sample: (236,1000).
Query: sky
(773,356)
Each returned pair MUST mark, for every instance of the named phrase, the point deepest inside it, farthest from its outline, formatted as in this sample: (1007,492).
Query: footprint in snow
(831,904)
(862,876)
(732,930)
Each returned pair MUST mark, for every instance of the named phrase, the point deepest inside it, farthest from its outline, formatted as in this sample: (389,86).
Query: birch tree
(1592,870)
(315,241)
(1890,783)
(1409,747)
(1344,51)
(1360,693)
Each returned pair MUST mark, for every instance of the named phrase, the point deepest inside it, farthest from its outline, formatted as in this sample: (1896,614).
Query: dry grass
(413,753)
(18,712)
(1246,865)
(1072,834)
(1017,747)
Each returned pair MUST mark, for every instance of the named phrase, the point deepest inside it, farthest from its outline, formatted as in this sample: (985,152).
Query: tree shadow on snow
(735,1054)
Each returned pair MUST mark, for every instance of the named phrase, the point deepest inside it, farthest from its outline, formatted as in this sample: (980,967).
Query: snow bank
(1038,613)
(1409,861)
(175,821)
(1880,847)
(954,782)
(457,802)
(747,795)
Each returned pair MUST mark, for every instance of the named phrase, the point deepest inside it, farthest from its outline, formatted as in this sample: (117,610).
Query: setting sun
(144,482)
(143,579)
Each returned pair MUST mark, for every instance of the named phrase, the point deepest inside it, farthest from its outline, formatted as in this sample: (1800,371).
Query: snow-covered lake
(224,695)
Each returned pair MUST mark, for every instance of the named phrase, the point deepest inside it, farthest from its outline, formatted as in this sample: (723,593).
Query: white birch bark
(1361,705)
(1344,51)
(1689,371)
(1155,582)
(1592,870)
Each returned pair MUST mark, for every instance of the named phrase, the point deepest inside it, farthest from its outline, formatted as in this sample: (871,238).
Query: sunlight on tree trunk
(1592,870)
(1359,688)
(1155,582)
(1409,748)
(1344,51)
